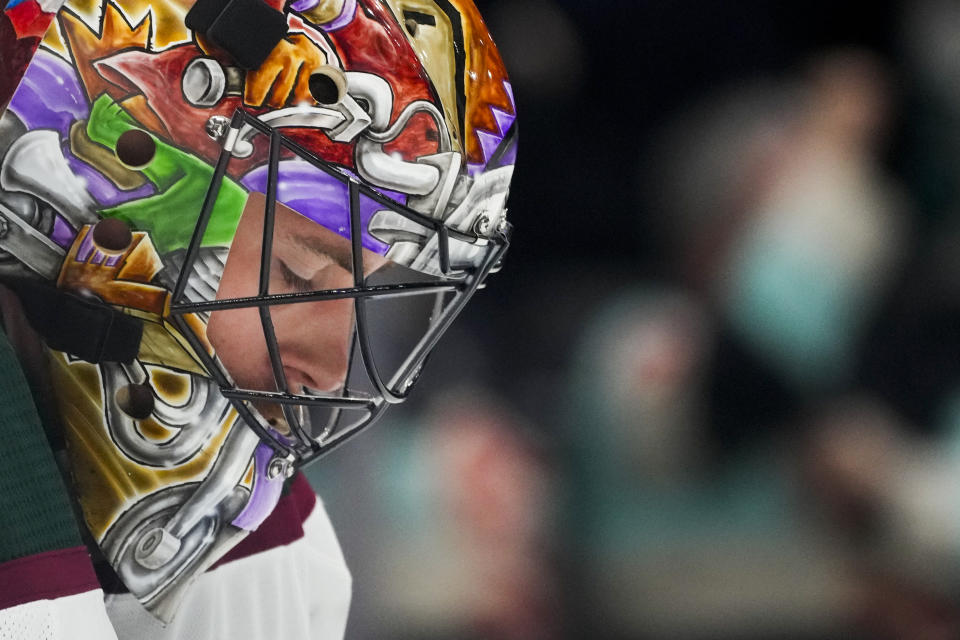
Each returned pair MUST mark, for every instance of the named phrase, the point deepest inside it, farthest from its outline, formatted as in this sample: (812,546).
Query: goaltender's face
(314,338)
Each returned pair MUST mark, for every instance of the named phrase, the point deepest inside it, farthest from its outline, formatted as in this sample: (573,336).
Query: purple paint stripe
(100,187)
(283,526)
(50,97)
(304,5)
(46,576)
(510,156)
(321,198)
(86,248)
(63,234)
(265,494)
(489,143)
(508,87)
(504,120)
(346,16)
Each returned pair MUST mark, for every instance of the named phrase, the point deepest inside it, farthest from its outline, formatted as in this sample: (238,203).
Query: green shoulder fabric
(35,509)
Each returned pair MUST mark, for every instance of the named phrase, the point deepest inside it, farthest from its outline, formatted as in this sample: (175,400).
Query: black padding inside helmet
(248,30)
(84,328)
(203,13)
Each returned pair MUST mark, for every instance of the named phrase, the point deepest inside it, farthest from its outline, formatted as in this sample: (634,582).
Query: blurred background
(715,391)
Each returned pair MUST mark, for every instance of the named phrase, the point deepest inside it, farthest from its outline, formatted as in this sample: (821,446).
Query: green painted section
(182,180)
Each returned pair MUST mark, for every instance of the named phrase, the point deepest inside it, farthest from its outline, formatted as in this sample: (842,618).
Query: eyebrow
(321,247)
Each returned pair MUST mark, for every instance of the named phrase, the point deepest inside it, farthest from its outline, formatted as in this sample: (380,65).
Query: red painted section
(377,45)
(137,72)
(15,51)
(29,20)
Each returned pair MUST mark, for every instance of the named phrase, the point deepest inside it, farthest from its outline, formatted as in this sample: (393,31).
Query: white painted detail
(34,164)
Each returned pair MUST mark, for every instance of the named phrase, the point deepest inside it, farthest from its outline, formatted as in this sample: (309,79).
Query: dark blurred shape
(446,524)
(727,336)
(544,47)
(664,539)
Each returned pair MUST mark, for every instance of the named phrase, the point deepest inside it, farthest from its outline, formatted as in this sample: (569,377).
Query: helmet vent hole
(412,26)
(135,400)
(112,236)
(327,86)
(136,148)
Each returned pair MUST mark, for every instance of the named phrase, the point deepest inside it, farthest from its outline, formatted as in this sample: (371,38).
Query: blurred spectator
(767,444)
(894,497)
(666,541)
(461,504)
(806,231)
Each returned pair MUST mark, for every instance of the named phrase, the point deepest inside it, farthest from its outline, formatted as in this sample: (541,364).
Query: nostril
(325,375)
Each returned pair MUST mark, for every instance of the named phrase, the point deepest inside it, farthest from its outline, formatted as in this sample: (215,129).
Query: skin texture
(313,337)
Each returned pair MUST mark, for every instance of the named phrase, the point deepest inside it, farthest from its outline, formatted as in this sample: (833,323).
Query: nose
(314,340)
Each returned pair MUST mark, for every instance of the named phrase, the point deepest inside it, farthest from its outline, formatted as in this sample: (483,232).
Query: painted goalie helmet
(240,232)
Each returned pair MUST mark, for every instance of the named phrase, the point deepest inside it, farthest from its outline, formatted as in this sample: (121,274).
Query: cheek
(241,276)
(333,277)
(237,338)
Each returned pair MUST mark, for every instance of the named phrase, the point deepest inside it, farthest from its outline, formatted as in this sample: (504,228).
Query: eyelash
(292,280)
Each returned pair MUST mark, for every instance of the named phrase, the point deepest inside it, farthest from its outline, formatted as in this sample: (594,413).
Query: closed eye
(292,280)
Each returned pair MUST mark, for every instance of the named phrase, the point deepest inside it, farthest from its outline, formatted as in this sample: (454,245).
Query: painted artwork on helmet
(22,24)
(259,206)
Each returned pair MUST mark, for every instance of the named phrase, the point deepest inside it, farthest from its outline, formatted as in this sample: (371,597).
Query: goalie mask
(240,233)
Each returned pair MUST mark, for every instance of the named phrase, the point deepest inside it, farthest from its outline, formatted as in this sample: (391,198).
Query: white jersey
(296,591)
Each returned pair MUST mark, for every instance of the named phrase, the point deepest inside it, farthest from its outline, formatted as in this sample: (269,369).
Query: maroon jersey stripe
(45,576)
(283,526)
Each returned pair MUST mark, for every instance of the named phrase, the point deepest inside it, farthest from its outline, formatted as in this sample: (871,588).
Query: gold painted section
(102,159)
(434,46)
(153,431)
(484,73)
(164,17)
(173,386)
(125,283)
(199,328)
(325,11)
(163,345)
(106,481)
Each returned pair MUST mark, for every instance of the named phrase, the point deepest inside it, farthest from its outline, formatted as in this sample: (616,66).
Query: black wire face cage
(355,405)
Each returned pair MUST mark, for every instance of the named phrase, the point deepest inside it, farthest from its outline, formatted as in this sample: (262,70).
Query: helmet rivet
(135,400)
(216,126)
(481,226)
(279,467)
(112,236)
(156,548)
